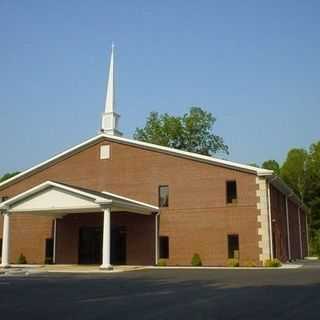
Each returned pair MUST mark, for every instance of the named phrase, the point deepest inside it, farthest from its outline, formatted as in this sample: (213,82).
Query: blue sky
(253,64)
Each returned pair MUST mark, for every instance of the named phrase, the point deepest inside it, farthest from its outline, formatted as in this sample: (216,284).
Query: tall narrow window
(0,247)
(163,247)
(233,246)
(163,196)
(232,192)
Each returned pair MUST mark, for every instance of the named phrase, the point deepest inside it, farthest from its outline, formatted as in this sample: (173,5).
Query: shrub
(162,263)
(233,263)
(22,259)
(196,260)
(275,263)
(250,264)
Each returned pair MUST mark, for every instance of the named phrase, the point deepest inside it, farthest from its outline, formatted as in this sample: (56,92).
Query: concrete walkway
(16,270)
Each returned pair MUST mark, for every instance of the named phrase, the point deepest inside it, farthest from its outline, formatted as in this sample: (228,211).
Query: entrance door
(118,245)
(90,245)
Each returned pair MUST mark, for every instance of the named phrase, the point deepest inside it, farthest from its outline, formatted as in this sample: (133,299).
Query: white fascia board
(125,200)
(52,159)
(47,184)
(149,146)
(191,155)
(279,184)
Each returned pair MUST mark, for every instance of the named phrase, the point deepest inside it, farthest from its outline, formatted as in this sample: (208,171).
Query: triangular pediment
(53,198)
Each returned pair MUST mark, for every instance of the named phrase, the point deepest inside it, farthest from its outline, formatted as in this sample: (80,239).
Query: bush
(233,263)
(275,263)
(162,263)
(22,259)
(250,264)
(196,260)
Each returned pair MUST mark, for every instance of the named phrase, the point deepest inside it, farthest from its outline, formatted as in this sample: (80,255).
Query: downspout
(156,233)
(54,240)
(288,229)
(269,219)
(307,232)
(300,235)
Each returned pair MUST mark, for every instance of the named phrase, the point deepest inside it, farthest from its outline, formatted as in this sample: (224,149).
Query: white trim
(44,186)
(190,155)
(139,203)
(96,203)
(288,229)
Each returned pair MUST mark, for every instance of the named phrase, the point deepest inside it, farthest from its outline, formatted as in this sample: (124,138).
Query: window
(0,247)
(163,196)
(164,247)
(231,192)
(233,246)
(49,251)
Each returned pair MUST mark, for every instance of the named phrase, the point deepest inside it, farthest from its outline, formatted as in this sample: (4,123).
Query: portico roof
(58,199)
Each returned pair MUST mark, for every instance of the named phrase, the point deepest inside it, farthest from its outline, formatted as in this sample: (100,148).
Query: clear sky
(253,64)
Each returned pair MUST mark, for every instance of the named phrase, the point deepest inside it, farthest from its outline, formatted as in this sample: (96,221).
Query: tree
(272,165)
(253,164)
(191,132)
(8,175)
(293,171)
(312,196)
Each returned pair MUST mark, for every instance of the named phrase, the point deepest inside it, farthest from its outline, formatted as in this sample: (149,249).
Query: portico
(59,200)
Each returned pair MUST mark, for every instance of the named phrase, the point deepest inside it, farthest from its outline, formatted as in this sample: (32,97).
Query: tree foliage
(293,171)
(8,175)
(272,165)
(301,172)
(191,132)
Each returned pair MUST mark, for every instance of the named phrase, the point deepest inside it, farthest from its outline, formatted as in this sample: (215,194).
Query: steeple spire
(110,118)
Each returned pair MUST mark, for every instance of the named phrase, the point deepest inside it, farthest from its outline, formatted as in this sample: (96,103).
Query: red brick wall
(140,236)
(198,219)
(279,225)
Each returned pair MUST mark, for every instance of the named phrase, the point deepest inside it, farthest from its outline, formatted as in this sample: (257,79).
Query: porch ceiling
(58,199)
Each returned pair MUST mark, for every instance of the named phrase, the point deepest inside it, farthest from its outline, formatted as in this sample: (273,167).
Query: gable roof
(140,144)
(96,197)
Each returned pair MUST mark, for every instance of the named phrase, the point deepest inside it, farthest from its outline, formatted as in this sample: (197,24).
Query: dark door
(118,245)
(90,245)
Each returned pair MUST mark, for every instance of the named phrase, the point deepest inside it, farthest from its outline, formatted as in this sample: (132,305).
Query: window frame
(231,200)
(159,196)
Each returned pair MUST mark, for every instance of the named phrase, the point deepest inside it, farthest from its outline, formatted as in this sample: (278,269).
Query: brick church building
(112,200)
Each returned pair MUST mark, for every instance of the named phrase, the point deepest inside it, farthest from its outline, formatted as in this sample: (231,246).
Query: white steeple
(110,118)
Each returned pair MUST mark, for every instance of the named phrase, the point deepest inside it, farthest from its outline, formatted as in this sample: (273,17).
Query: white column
(106,239)
(288,229)
(5,259)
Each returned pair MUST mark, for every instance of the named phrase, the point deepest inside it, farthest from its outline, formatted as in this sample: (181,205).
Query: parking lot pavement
(165,294)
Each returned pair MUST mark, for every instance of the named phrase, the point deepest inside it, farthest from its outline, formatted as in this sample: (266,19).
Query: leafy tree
(293,171)
(253,164)
(272,165)
(312,196)
(191,132)
(8,175)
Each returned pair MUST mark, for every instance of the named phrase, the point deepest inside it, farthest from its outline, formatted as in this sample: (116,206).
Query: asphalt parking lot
(165,294)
